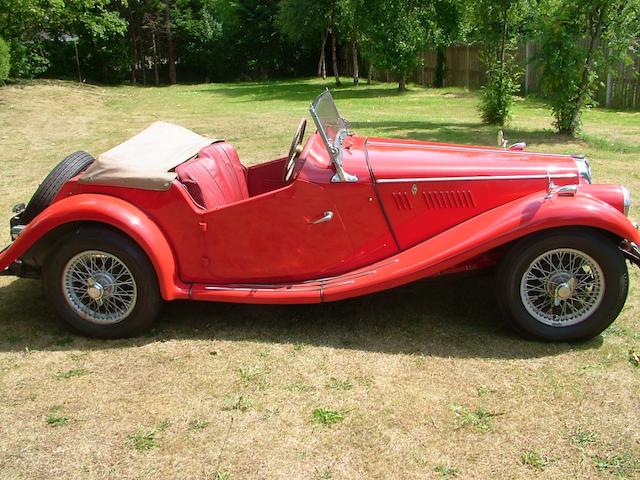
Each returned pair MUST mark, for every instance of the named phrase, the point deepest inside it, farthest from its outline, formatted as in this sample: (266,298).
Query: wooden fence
(463,68)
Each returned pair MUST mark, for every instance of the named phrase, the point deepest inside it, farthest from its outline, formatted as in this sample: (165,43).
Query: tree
(395,32)
(201,29)
(498,24)
(448,27)
(350,24)
(304,21)
(578,40)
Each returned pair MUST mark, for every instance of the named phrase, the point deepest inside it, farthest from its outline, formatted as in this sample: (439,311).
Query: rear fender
(485,232)
(116,213)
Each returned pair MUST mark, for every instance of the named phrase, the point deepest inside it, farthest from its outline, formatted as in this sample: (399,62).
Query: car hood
(415,160)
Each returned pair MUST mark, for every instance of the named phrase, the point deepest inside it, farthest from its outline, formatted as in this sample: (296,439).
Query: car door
(291,234)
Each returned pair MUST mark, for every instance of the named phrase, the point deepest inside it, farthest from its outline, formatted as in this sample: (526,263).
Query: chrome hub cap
(99,287)
(562,287)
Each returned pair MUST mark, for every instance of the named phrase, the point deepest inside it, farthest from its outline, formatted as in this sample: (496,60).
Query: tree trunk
(370,74)
(142,57)
(322,64)
(156,74)
(334,57)
(132,49)
(354,52)
(588,64)
(171,53)
(402,84)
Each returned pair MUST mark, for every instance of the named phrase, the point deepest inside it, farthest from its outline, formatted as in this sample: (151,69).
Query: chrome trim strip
(306,286)
(286,288)
(479,177)
(353,274)
(463,148)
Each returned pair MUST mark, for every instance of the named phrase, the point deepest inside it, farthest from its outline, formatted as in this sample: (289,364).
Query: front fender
(118,214)
(485,232)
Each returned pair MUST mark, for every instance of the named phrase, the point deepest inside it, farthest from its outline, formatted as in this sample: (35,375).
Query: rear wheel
(563,285)
(45,193)
(102,284)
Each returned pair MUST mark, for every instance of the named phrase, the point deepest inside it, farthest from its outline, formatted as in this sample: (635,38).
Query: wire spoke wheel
(99,287)
(562,287)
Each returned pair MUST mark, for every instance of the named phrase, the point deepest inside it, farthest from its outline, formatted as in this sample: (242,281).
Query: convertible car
(170,214)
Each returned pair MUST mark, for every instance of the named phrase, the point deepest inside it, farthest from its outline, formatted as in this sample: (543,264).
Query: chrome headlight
(584,167)
(626,200)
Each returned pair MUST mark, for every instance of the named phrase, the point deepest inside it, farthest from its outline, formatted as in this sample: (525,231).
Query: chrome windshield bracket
(333,130)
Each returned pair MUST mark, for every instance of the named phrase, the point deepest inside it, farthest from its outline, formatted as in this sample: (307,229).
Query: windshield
(327,119)
(333,129)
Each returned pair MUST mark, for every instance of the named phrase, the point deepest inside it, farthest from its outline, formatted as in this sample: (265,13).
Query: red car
(172,215)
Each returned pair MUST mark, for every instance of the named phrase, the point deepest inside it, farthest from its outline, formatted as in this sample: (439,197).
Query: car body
(343,216)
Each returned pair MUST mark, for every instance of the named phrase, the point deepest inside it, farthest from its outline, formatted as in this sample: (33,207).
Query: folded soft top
(145,160)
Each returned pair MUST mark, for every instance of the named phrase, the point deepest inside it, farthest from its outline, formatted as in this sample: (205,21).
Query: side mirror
(502,143)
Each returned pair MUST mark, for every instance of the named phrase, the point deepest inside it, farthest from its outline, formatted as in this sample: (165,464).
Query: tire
(45,193)
(79,279)
(595,293)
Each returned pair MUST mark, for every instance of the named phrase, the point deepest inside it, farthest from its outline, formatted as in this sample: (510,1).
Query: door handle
(328,215)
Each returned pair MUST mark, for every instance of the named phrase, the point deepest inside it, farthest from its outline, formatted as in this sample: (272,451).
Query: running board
(310,291)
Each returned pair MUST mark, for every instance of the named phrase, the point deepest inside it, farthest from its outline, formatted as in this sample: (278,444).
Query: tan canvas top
(145,161)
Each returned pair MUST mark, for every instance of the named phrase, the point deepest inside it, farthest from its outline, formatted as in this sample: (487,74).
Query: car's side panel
(442,252)
(114,212)
(427,188)
(419,210)
(486,232)
(274,237)
(172,211)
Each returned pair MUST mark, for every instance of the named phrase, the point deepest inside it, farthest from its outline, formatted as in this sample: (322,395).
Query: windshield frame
(325,126)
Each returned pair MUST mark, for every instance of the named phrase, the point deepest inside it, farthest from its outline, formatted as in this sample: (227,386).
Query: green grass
(144,440)
(240,383)
(447,472)
(327,417)
(479,419)
(534,459)
(75,372)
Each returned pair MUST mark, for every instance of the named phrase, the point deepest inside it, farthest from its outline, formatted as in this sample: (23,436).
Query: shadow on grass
(298,91)
(473,133)
(469,133)
(453,317)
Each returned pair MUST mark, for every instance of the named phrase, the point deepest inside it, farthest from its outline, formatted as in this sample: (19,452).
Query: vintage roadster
(170,214)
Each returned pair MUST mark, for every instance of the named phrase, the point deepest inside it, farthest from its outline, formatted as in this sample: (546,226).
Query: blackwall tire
(102,284)
(594,295)
(45,193)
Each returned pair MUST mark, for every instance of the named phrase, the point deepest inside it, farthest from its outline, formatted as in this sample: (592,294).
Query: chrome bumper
(16,230)
(631,251)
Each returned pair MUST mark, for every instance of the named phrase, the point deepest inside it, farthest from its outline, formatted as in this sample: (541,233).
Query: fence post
(609,97)
(466,80)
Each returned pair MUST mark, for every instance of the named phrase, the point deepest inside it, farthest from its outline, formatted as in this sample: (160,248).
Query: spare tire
(49,188)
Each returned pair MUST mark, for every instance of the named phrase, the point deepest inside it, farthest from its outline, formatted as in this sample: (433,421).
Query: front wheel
(563,285)
(102,284)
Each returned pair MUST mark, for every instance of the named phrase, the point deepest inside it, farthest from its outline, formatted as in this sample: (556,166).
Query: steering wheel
(294,150)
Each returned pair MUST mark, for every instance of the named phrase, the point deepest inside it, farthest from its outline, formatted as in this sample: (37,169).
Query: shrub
(496,97)
(5,60)
(26,61)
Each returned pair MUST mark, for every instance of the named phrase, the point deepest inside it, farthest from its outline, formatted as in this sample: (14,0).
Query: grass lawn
(420,382)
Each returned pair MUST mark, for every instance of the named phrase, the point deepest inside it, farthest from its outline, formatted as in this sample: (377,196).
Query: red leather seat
(215,177)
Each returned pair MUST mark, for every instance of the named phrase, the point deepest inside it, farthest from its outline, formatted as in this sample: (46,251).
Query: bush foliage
(5,60)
